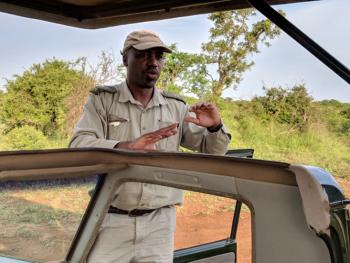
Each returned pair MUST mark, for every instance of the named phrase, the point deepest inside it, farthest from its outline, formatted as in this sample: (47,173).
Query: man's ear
(125,60)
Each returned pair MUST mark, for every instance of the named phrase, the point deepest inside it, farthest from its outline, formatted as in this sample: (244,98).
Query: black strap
(132,213)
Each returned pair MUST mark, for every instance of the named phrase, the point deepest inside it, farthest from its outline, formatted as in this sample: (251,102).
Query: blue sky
(26,41)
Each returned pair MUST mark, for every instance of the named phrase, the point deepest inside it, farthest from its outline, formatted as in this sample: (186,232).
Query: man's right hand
(148,141)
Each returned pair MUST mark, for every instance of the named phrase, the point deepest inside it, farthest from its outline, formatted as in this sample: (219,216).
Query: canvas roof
(104,13)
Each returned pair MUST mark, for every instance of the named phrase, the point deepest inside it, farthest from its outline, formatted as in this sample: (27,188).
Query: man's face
(144,66)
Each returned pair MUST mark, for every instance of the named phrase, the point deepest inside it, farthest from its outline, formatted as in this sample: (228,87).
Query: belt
(131,213)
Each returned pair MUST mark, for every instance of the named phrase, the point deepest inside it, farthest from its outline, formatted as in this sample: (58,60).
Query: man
(140,223)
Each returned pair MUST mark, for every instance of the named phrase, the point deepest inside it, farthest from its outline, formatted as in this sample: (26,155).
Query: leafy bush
(346,122)
(25,138)
(272,140)
(336,115)
(286,106)
(37,97)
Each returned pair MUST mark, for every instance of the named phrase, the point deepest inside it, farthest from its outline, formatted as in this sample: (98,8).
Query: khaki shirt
(114,115)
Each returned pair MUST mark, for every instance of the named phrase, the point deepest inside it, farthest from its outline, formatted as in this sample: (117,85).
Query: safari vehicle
(298,212)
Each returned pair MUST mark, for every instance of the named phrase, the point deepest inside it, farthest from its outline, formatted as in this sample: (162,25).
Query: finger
(159,134)
(196,109)
(151,137)
(199,104)
(211,105)
(168,133)
(155,137)
(208,105)
(192,120)
(171,133)
(167,128)
(150,148)
(165,132)
(208,109)
(201,107)
(196,106)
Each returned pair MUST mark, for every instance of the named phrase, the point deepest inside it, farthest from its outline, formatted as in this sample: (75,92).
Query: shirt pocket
(118,127)
(171,143)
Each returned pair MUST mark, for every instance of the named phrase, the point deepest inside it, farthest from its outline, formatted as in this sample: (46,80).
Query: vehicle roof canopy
(104,13)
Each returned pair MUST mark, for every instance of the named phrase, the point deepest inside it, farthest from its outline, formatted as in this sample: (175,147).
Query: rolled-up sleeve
(200,139)
(92,128)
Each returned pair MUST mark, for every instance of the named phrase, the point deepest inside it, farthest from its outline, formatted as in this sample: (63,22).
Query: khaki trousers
(142,239)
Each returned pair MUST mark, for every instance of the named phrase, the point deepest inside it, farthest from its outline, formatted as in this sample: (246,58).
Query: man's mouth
(152,74)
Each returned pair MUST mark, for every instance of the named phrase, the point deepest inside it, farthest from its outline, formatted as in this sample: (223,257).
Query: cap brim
(149,45)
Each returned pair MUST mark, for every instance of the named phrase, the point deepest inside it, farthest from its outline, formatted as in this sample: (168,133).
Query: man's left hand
(207,115)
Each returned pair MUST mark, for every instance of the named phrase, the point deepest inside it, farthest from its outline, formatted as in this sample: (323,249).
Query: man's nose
(152,59)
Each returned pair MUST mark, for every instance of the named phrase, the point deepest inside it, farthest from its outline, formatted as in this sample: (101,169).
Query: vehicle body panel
(281,232)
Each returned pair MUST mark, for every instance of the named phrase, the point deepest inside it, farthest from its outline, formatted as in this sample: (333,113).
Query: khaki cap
(144,39)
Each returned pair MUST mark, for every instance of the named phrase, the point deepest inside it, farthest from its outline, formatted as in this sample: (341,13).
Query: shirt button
(143,128)
(142,204)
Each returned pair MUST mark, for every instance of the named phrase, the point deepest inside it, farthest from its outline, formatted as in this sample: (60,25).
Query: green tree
(178,72)
(287,106)
(336,114)
(233,39)
(50,96)
(1,103)
(346,122)
(25,138)
(37,97)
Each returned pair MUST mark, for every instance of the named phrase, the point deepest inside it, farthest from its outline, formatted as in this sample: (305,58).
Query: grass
(25,232)
(3,144)
(50,242)
(20,211)
(39,219)
(58,143)
(318,146)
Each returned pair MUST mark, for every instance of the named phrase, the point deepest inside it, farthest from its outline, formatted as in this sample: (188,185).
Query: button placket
(142,196)
(143,128)
(146,195)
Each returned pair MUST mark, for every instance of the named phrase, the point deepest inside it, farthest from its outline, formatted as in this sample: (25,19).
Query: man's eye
(146,55)
(160,56)
(141,55)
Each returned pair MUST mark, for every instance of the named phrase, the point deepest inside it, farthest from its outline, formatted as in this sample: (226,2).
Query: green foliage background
(320,143)
(36,98)
(39,108)
(283,125)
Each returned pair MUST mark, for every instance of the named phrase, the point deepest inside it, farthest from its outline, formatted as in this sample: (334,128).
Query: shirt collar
(158,98)
(125,96)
